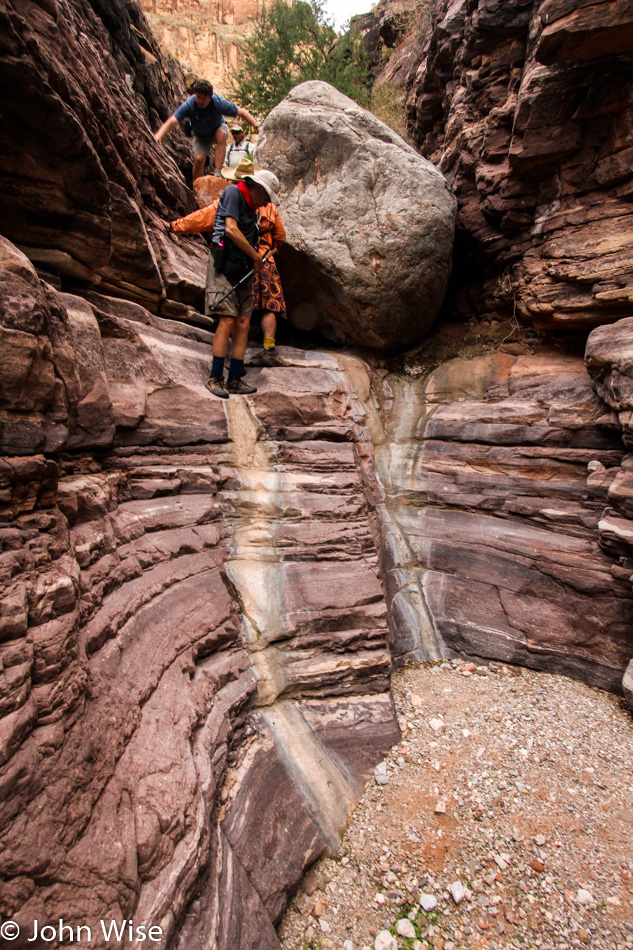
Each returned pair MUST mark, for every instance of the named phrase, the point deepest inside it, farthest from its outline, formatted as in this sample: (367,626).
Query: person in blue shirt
(206,110)
(233,259)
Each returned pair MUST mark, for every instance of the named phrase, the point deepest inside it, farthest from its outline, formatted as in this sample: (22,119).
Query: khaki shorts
(237,304)
(206,146)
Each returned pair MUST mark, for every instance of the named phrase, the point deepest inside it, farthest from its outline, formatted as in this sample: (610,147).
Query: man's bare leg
(240,338)
(221,336)
(198,166)
(220,147)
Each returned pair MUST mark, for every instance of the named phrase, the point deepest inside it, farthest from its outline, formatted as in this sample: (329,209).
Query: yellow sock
(269,342)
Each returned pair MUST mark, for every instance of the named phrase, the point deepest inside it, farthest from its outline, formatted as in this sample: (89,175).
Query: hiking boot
(269,357)
(216,386)
(238,387)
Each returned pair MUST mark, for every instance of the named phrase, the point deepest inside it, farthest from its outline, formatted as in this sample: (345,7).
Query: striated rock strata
(491,531)
(201,601)
(206,36)
(609,358)
(369,222)
(526,107)
(83,183)
(193,631)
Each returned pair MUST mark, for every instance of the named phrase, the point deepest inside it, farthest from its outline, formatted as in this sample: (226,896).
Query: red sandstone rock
(491,542)
(84,182)
(150,599)
(522,106)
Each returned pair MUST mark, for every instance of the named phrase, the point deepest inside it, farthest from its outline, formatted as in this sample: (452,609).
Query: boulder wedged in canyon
(525,106)
(369,221)
(83,182)
(193,631)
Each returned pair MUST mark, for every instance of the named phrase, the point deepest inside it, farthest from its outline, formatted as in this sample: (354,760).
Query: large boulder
(370,223)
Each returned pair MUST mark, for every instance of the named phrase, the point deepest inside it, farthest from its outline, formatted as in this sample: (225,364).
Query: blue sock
(235,369)
(217,367)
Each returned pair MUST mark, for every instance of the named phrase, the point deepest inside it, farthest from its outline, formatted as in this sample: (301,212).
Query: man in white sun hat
(233,259)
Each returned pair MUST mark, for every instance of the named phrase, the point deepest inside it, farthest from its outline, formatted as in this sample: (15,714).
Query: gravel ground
(505,821)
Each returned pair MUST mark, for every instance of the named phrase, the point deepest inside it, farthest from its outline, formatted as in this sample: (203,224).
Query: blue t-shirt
(233,205)
(204,122)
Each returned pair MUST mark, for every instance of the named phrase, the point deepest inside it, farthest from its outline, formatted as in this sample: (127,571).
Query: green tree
(294,42)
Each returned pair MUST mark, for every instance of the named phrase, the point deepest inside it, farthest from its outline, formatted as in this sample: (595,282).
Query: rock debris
(532,849)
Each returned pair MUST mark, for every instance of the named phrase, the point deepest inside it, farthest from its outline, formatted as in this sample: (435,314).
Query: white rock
(440,808)
(584,897)
(385,941)
(405,928)
(436,724)
(380,899)
(348,945)
(323,924)
(428,902)
(457,891)
(380,773)
(540,840)
(501,864)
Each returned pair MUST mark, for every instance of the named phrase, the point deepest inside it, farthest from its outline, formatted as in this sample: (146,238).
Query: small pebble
(584,897)
(405,928)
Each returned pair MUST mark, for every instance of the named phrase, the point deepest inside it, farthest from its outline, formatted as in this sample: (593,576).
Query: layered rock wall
(492,533)
(202,601)
(83,182)
(207,37)
(526,107)
(171,565)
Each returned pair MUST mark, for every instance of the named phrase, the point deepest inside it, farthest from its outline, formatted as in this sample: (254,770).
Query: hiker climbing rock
(268,296)
(205,111)
(233,259)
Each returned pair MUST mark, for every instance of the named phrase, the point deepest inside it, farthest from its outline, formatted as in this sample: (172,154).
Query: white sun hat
(268,181)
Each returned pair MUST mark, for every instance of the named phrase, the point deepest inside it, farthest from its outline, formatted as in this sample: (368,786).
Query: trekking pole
(239,283)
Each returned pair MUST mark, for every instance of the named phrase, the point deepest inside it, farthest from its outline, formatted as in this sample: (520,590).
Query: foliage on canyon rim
(293,43)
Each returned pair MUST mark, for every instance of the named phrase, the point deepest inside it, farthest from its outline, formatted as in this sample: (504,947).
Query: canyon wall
(527,108)
(202,602)
(83,183)
(193,631)
(205,37)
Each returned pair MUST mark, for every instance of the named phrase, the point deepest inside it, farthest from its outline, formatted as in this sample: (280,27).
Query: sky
(341,10)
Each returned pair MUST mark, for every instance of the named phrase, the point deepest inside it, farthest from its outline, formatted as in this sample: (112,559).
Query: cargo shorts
(237,304)
(205,146)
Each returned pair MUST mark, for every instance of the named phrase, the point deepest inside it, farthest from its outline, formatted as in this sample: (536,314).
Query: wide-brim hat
(268,181)
(236,128)
(244,167)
